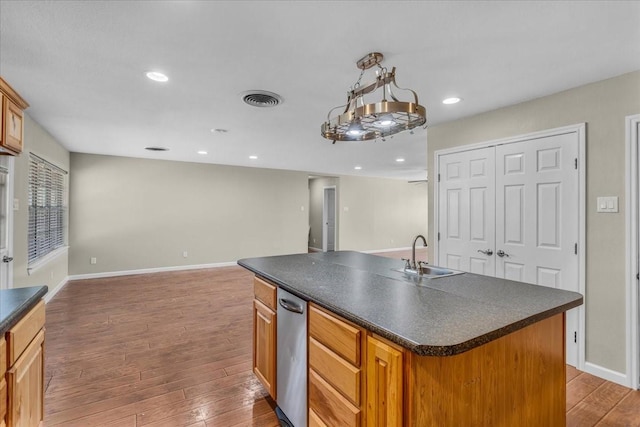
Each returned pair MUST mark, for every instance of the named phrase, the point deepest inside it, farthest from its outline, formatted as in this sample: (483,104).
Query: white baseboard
(389,250)
(314,249)
(149,270)
(607,374)
(52,292)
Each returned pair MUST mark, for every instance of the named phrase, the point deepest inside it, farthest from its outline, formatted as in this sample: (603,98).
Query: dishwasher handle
(290,305)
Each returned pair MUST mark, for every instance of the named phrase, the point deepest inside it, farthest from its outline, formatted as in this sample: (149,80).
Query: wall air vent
(261,98)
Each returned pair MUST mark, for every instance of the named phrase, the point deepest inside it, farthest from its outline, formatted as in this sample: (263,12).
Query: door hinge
(638,276)
(438,236)
(575,249)
(438,177)
(576,162)
(575,337)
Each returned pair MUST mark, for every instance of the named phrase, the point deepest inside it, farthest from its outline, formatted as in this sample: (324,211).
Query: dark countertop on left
(15,303)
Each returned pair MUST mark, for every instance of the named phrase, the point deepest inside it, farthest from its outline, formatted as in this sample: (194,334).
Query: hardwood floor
(174,349)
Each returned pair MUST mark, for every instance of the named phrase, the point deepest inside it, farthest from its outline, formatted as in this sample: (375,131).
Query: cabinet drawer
(21,334)
(335,370)
(330,406)
(265,292)
(314,420)
(336,334)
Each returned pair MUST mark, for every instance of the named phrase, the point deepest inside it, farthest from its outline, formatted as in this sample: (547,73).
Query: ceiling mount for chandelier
(361,121)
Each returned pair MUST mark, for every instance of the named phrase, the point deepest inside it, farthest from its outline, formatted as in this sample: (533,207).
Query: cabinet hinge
(575,249)
(575,337)
(576,162)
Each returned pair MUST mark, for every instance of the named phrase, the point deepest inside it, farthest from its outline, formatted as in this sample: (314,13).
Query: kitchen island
(458,350)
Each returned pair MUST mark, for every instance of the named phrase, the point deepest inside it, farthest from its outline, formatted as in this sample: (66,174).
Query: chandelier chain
(357,85)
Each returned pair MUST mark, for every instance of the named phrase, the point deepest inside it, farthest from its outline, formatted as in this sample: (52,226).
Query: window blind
(47,208)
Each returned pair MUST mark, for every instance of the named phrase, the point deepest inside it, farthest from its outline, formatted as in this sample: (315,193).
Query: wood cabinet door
(384,384)
(264,346)
(25,381)
(12,131)
(1,119)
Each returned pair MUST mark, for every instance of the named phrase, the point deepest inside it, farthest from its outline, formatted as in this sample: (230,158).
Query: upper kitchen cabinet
(11,136)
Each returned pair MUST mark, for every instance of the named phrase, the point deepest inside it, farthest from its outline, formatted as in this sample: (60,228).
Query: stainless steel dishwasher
(292,360)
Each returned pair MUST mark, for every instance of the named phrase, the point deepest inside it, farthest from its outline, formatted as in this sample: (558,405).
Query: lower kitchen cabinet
(25,380)
(264,335)
(384,383)
(336,361)
(23,384)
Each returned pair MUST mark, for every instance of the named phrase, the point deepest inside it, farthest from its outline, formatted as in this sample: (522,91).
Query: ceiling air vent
(156,148)
(261,98)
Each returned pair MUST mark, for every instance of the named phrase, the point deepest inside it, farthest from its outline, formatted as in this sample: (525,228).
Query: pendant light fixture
(362,121)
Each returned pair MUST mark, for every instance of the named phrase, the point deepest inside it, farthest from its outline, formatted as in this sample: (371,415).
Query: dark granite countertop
(15,303)
(438,317)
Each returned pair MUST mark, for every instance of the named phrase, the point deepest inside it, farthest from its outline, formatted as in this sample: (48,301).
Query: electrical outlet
(94,260)
(185,254)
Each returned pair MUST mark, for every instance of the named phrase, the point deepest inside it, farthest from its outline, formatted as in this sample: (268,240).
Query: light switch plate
(607,204)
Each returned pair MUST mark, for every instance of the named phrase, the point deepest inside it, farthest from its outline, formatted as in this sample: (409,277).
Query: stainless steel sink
(429,272)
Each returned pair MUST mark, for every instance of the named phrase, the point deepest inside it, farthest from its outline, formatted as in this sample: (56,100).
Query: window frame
(47,211)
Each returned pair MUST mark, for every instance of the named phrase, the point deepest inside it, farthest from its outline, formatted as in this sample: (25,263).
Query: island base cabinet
(25,382)
(516,380)
(384,384)
(264,346)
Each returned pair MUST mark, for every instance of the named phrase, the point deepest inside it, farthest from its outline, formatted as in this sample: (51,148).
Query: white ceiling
(81,66)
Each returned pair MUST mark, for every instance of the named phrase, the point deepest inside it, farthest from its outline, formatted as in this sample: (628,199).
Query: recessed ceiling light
(452,100)
(358,168)
(202,152)
(253,157)
(156,148)
(400,160)
(157,76)
(218,130)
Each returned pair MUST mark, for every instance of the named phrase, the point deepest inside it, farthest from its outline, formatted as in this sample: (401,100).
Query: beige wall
(316,201)
(378,213)
(40,142)
(603,106)
(136,213)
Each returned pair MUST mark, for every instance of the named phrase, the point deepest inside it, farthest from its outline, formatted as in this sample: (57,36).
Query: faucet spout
(413,250)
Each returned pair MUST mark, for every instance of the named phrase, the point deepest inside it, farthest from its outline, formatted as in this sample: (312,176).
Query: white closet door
(537,217)
(466,211)
(518,200)
(537,211)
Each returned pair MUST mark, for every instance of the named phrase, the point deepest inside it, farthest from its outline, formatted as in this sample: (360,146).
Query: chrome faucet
(413,251)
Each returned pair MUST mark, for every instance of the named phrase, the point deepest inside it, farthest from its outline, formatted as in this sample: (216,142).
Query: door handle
(7,258)
(502,253)
(290,305)
(488,252)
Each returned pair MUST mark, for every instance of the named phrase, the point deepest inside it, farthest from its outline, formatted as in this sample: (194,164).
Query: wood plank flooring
(174,349)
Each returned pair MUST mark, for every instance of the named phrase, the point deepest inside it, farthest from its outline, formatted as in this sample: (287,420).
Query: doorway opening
(324,220)
(632,209)
(6,221)
(329,219)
